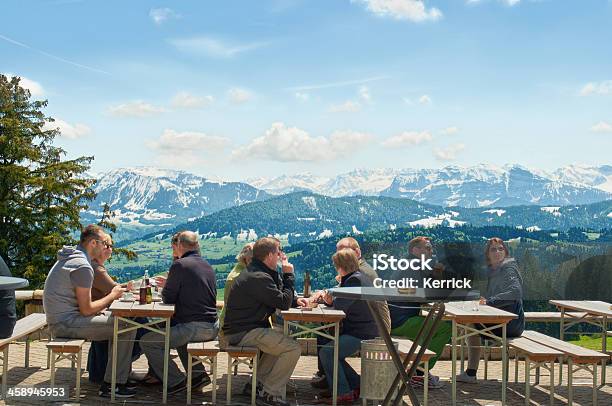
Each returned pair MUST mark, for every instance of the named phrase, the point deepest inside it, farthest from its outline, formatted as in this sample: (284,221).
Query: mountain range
(147,199)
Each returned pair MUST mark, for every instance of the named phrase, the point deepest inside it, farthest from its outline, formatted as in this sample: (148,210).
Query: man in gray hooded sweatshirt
(72,314)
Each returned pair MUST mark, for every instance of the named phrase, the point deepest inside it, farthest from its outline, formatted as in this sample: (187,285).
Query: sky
(239,89)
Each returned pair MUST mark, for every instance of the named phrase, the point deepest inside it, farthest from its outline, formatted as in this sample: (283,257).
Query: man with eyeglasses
(71,312)
(255,296)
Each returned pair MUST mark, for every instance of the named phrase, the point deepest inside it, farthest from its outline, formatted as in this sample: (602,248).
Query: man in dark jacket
(255,296)
(191,287)
(8,315)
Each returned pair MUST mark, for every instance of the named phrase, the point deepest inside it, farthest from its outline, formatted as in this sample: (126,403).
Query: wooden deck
(300,392)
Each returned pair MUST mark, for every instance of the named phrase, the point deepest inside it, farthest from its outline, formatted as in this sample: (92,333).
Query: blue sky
(237,89)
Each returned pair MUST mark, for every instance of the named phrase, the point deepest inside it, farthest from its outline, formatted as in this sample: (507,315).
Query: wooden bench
(23,328)
(206,354)
(403,347)
(540,356)
(582,358)
(69,349)
(237,355)
(555,317)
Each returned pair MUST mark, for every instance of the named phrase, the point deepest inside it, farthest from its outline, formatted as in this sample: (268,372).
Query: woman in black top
(358,325)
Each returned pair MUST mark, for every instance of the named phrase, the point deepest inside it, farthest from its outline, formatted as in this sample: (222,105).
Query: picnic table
(477,320)
(325,317)
(125,311)
(407,367)
(588,308)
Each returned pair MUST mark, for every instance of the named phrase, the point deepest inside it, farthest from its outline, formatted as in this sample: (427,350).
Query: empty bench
(69,349)
(23,328)
(583,358)
(403,347)
(540,356)
(207,352)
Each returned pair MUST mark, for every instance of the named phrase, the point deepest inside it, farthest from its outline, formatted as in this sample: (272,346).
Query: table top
(322,314)
(419,295)
(588,306)
(134,309)
(463,312)
(10,283)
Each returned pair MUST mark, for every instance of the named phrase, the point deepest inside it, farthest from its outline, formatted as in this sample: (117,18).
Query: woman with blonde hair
(505,292)
(243,260)
(357,325)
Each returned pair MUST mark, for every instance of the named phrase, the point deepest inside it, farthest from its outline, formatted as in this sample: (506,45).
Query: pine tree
(41,193)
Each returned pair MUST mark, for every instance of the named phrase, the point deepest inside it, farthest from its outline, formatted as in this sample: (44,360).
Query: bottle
(149,295)
(146,278)
(306,284)
(142,299)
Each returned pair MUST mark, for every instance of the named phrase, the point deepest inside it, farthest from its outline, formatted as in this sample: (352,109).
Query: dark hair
(175,238)
(495,240)
(265,246)
(91,232)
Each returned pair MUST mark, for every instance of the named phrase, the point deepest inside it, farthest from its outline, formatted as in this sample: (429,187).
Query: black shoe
(121,391)
(179,387)
(319,382)
(265,399)
(246,391)
(200,380)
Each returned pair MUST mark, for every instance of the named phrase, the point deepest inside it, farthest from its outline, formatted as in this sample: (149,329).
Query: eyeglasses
(106,244)
(498,249)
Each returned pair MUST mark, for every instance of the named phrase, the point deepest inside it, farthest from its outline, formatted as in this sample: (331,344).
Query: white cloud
(348,106)
(184,149)
(449,153)
(160,15)
(604,87)
(602,127)
(407,138)
(291,144)
(364,94)
(137,108)
(302,96)
(71,131)
(425,100)
(213,47)
(238,95)
(449,131)
(35,88)
(413,10)
(187,100)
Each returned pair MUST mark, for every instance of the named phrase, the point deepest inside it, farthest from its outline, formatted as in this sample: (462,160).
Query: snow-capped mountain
(145,198)
(476,186)
(599,177)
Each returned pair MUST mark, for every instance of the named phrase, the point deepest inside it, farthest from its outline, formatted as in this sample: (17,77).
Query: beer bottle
(306,284)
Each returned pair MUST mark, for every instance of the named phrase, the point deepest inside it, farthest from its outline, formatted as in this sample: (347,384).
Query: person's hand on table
(129,286)
(483,301)
(327,298)
(160,281)
(302,302)
(117,292)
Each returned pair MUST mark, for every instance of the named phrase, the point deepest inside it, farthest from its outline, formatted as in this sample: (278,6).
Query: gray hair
(246,254)
(189,239)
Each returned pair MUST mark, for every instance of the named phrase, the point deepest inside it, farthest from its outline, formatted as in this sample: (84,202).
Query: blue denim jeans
(348,379)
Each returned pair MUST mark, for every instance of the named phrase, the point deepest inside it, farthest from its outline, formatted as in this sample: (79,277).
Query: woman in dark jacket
(357,325)
(505,292)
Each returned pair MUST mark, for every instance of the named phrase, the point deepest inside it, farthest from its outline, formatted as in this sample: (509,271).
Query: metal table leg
(505,364)
(114,368)
(454,363)
(402,374)
(166,356)
(335,381)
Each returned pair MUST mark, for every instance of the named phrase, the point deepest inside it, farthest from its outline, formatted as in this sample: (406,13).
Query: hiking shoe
(434,381)
(121,391)
(179,387)
(319,381)
(248,388)
(200,380)
(266,399)
(465,378)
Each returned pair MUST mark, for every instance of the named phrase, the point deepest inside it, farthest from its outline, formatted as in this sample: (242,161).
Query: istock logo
(382,262)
